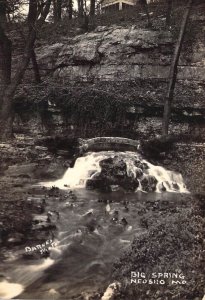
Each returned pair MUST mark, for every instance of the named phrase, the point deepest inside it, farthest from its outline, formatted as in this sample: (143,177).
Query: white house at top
(111,5)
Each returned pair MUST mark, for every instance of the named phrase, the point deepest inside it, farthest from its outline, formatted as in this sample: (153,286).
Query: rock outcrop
(119,54)
(114,175)
(113,82)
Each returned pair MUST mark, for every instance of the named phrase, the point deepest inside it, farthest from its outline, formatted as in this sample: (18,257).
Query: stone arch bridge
(108,143)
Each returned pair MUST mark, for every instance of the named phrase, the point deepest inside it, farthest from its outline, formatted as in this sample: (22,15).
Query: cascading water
(92,226)
(88,166)
(83,169)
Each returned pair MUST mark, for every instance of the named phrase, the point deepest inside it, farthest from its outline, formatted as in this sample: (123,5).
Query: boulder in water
(91,225)
(162,188)
(124,222)
(138,173)
(111,291)
(114,187)
(98,184)
(141,165)
(149,183)
(175,186)
(120,169)
(106,164)
(128,172)
(113,175)
(129,184)
(113,167)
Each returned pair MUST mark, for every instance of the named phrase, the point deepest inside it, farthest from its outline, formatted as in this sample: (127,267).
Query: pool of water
(91,234)
(93,229)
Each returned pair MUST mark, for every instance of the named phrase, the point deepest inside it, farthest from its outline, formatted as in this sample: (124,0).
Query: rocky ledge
(119,53)
(114,175)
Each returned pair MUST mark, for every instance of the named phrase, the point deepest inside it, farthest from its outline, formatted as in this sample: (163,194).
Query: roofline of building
(118,1)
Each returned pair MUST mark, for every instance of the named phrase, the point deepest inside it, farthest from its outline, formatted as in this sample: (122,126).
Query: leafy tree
(36,18)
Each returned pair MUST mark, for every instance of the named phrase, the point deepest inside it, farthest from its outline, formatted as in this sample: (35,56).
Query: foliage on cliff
(172,243)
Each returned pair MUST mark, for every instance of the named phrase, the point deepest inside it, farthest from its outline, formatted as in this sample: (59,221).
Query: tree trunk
(70,9)
(5,79)
(6,118)
(80,8)
(32,14)
(173,70)
(86,23)
(57,7)
(3,19)
(54,11)
(5,75)
(35,67)
(169,11)
(5,58)
(145,7)
(6,113)
(5,49)
(5,63)
(32,17)
(92,8)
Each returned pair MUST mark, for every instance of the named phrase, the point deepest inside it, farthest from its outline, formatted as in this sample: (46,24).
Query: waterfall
(83,169)
(88,166)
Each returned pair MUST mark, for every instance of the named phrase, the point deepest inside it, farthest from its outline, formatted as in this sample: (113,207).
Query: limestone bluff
(119,53)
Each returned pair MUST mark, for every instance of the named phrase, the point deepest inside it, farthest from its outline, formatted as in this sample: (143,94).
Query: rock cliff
(120,54)
(113,81)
